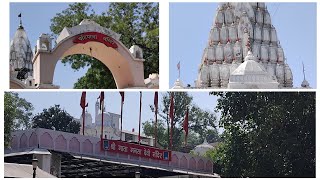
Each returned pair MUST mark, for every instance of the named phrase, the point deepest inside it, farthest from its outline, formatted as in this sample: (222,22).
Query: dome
(178,84)
(88,119)
(106,120)
(202,148)
(250,66)
(21,54)
(251,75)
(305,84)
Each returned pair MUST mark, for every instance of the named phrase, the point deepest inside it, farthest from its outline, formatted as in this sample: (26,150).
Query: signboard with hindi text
(136,150)
(97,37)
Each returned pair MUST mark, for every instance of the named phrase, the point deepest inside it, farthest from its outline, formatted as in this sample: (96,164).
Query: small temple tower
(44,43)
(21,55)
(305,83)
(235,25)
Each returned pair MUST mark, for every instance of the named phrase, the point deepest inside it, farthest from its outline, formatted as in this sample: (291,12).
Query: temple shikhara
(243,51)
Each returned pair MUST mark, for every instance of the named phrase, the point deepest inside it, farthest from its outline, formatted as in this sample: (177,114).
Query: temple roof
(201,149)
(178,84)
(250,66)
(21,54)
(237,29)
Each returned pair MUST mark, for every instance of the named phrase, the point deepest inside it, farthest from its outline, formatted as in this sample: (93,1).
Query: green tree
(267,134)
(201,122)
(138,23)
(17,115)
(56,118)
(162,133)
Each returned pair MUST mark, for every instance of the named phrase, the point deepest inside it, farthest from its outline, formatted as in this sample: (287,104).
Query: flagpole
(156,117)
(155,130)
(179,69)
(83,106)
(185,141)
(20,16)
(171,117)
(121,116)
(83,119)
(139,138)
(102,120)
(185,126)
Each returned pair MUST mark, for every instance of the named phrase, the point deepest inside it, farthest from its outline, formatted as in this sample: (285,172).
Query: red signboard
(136,150)
(97,37)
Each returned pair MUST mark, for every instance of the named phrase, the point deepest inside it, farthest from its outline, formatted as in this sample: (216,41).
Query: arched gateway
(91,39)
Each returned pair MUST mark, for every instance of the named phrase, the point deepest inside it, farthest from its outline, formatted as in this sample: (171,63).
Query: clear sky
(70,101)
(36,20)
(190,26)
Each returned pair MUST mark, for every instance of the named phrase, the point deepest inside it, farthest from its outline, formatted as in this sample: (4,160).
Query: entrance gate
(91,39)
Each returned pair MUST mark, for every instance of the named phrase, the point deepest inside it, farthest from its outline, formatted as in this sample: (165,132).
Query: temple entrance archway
(91,39)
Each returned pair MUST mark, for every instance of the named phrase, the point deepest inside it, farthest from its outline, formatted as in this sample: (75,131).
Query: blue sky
(70,101)
(36,20)
(190,26)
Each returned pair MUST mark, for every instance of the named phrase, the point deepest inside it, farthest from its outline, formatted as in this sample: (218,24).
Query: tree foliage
(17,115)
(57,119)
(138,24)
(267,134)
(201,122)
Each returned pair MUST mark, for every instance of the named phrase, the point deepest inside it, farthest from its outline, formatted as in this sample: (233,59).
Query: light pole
(34,165)
(137,174)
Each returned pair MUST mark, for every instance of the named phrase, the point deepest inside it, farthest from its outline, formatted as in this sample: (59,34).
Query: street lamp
(137,174)
(34,165)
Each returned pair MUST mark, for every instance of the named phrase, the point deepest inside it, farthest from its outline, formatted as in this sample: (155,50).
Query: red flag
(101,100)
(156,117)
(83,100)
(83,106)
(185,125)
(122,96)
(139,137)
(171,117)
(156,101)
(122,100)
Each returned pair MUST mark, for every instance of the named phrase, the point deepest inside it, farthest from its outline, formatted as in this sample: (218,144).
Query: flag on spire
(178,66)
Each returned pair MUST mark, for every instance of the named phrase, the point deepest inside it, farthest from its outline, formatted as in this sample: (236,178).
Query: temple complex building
(243,51)
(111,127)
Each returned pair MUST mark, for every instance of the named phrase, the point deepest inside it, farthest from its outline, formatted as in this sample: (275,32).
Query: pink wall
(84,145)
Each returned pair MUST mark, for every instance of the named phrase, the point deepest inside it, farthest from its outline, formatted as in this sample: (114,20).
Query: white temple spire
(252,36)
